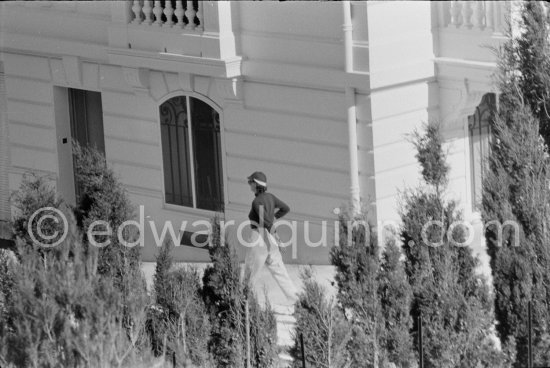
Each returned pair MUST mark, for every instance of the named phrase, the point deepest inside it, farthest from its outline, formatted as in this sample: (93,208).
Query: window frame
(481,130)
(182,208)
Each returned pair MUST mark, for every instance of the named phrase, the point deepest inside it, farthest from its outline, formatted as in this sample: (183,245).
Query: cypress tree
(453,299)
(395,297)
(357,263)
(516,186)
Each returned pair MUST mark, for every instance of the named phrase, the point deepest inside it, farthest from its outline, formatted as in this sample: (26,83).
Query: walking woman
(264,242)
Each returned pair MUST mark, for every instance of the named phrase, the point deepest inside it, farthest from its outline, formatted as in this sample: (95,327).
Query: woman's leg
(279,272)
(255,258)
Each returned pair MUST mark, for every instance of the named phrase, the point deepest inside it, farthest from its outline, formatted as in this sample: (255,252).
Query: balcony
(195,37)
(185,15)
(466,36)
(179,36)
(476,16)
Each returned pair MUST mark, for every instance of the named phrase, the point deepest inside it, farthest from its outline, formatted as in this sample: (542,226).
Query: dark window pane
(479,125)
(175,151)
(207,149)
(86,115)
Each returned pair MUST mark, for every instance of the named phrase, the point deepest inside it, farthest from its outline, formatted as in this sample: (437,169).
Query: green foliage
(225,295)
(263,334)
(516,189)
(452,298)
(35,193)
(357,263)
(430,155)
(179,321)
(103,197)
(516,186)
(63,313)
(524,64)
(162,270)
(395,297)
(7,282)
(325,330)
(58,309)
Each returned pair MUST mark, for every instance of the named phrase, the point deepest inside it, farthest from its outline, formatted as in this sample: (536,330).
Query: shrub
(452,298)
(516,186)
(64,313)
(225,296)
(395,295)
(179,319)
(325,331)
(357,263)
(59,310)
(103,197)
(35,193)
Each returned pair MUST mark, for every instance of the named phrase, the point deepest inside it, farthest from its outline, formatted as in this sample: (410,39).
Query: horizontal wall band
(28,78)
(31,125)
(291,188)
(33,148)
(286,138)
(134,164)
(131,140)
(291,37)
(30,102)
(19,170)
(128,117)
(331,119)
(143,191)
(289,163)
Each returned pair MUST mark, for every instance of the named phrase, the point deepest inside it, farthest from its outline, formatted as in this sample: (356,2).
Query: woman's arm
(282,208)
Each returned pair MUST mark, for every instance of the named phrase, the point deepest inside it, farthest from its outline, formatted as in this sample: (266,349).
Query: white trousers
(256,259)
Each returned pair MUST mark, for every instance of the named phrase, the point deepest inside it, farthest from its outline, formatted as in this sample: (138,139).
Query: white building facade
(318,96)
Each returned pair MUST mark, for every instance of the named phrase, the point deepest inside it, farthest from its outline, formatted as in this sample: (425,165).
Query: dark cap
(259,178)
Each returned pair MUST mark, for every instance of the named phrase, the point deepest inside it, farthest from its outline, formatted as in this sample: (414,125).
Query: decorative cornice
(470,95)
(489,66)
(167,62)
(137,79)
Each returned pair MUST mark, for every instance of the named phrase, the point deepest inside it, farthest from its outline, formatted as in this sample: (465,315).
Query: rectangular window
(86,115)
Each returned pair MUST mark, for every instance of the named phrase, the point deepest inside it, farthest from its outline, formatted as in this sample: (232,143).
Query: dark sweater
(270,208)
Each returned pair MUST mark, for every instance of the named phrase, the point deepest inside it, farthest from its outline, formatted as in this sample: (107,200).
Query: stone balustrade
(474,15)
(168,14)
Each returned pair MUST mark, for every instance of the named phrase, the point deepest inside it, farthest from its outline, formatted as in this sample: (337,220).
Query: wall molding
(137,79)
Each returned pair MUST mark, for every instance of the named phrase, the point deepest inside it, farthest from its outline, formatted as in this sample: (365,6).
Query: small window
(86,114)
(479,128)
(191,153)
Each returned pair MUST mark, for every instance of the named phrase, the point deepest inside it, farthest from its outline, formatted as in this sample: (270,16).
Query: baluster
(179,13)
(158,13)
(147,11)
(200,27)
(467,14)
(190,14)
(479,15)
(168,11)
(445,13)
(456,12)
(136,8)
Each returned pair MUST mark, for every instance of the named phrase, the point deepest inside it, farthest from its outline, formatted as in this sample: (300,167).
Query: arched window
(479,128)
(191,153)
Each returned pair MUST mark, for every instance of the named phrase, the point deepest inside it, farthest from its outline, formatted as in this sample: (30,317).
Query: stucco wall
(285,115)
